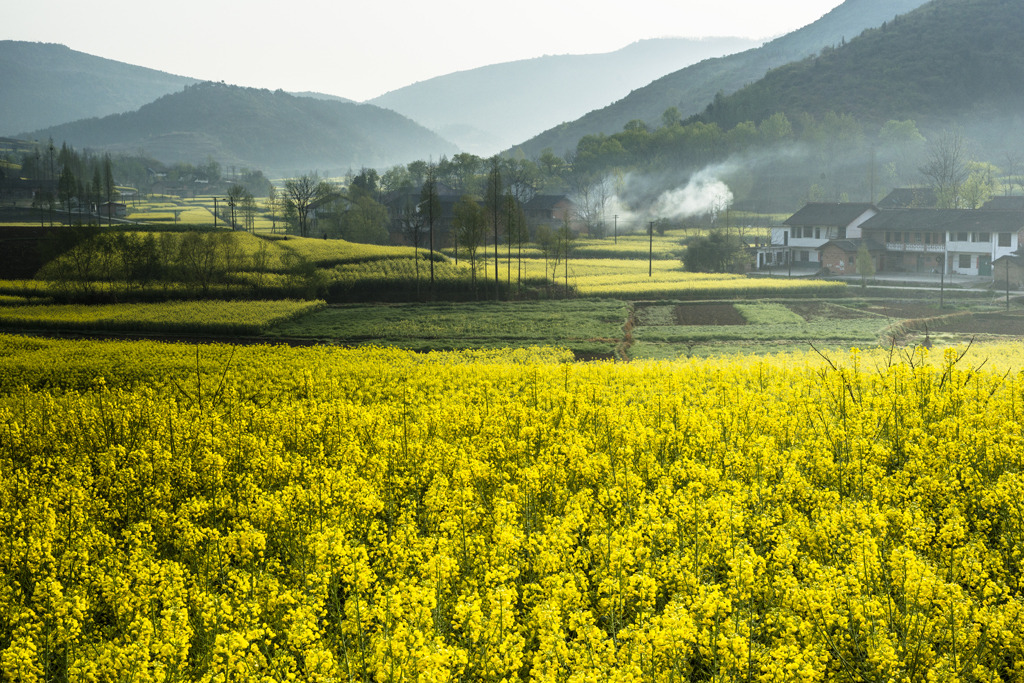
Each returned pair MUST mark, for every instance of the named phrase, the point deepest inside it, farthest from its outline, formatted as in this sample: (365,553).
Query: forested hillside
(951,62)
(689,90)
(273,131)
(43,84)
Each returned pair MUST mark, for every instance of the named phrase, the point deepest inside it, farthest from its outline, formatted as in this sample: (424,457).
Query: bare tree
(1012,167)
(493,206)
(301,194)
(947,167)
(236,194)
(430,208)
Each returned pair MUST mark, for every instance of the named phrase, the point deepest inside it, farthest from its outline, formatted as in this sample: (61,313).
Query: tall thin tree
(430,208)
(494,209)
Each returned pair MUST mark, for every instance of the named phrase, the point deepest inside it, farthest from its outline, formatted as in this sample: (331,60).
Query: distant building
(1009,268)
(801,236)
(909,198)
(839,257)
(954,241)
(552,210)
(908,240)
(1004,204)
(112,210)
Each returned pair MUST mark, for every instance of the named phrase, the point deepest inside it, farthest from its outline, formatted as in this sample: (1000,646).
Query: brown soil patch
(982,323)
(708,314)
(907,311)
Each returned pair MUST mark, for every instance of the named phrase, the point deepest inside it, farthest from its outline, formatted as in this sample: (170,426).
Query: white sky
(364,48)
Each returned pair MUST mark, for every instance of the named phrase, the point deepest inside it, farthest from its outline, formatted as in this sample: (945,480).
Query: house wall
(838,261)
(853,230)
(1016,274)
(979,250)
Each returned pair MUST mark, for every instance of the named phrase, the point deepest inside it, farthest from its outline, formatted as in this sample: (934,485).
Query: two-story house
(954,241)
(801,237)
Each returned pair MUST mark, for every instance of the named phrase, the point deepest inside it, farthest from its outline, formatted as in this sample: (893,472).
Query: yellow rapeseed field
(212,513)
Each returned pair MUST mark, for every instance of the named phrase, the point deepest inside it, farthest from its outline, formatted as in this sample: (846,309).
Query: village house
(552,210)
(802,236)
(1008,270)
(839,257)
(113,210)
(909,198)
(901,240)
(951,241)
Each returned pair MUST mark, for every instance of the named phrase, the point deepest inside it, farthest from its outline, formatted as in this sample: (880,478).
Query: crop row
(204,317)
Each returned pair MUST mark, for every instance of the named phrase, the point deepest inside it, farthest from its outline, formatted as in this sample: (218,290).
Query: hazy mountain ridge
(692,88)
(273,131)
(490,108)
(46,84)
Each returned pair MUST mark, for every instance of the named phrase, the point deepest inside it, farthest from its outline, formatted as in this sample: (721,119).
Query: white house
(801,237)
(954,241)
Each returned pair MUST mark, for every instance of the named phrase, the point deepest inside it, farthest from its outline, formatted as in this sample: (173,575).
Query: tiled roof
(824,214)
(1004,204)
(545,201)
(852,246)
(941,220)
(909,198)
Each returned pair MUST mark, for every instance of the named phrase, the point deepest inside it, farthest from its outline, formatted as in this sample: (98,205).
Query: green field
(175,317)
(586,327)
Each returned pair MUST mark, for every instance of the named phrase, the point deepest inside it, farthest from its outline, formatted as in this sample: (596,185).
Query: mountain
(321,96)
(488,109)
(44,84)
(950,62)
(273,131)
(692,88)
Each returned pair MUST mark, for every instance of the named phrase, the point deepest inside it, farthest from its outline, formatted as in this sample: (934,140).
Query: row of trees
(83,181)
(87,262)
(76,170)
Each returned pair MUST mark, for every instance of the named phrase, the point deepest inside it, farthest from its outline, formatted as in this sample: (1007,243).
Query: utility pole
(650,256)
(215,212)
(1007,263)
(942,282)
(616,218)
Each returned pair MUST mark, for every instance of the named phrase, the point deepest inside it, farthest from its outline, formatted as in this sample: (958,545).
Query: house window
(927,238)
(817,233)
(961,237)
(805,256)
(842,233)
(796,233)
(980,237)
(917,238)
(1005,239)
(964,261)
